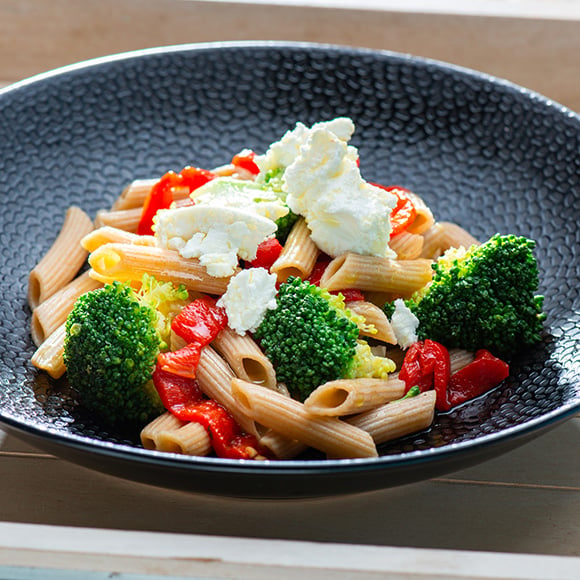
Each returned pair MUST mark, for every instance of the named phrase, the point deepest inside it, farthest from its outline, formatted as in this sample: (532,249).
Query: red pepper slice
(268,252)
(161,194)
(404,212)
(182,362)
(174,390)
(200,321)
(245,160)
(484,373)
(183,398)
(427,366)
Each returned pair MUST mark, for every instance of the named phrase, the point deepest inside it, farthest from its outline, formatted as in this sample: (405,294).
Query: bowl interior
(483,153)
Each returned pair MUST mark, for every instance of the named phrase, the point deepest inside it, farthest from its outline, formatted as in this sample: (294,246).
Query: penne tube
(49,355)
(110,235)
(245,358)
(170,434)
(349,396)
(299,254)
(62,261)
(290,418)
(281,447)
(134,195)
(126,262)
(374,318)
(215,380)
(424,217)
(444,235)
(123,219)
(47,317)
(399,277)
(406,245)
(398,418)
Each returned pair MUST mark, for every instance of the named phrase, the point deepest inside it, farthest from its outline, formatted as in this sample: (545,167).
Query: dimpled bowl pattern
(484,153)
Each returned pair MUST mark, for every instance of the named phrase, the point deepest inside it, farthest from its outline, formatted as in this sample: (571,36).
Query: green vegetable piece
(309,337)
(483,297)
(111,347)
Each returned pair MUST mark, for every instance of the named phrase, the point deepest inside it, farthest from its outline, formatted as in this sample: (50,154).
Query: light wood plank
(209,557)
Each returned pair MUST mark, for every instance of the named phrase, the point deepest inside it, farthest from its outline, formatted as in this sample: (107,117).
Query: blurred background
(534,43)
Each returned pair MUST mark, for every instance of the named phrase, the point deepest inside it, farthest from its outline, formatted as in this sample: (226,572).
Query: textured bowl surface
(486,154)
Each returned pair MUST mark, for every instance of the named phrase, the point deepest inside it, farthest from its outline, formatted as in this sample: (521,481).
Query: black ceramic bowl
(484,153)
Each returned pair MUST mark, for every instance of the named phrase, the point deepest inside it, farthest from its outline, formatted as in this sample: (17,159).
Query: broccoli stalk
(483,297)
(311,338)
(113,337)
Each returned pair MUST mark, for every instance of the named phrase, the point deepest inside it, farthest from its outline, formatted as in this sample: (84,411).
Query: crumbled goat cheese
(249,295)
(404,324)
(215,235)
(343,211)
(282,153)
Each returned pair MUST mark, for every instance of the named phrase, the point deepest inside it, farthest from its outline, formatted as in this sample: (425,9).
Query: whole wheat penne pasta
(280,446)
(123,219)
(108,235)
(299,254)
(374,317)
(47,317)
(62,261)
(423,218)
(444,235)
(289,417)
(400,277)
(49,355)
(134,194)
(170,434)
(215,380)
(245,358)
(125,262)
(406,245)
(349,396)
(398,418)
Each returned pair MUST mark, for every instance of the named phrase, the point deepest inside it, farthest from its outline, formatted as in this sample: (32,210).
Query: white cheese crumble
(215,235)
(249,295)
(404,324)
(282,153)
(343,211)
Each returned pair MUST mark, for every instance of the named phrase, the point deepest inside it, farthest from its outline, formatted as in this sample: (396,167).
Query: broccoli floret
(483,297)
(113,337)
(309,337)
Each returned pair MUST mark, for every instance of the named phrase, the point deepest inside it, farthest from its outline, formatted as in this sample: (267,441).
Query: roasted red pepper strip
(161,194)
(183,398)
(404,212)
(478,377)
(200,321)
(182,362)
(175,391)
(245,160)
(350,294)
(268,252)
(427,366)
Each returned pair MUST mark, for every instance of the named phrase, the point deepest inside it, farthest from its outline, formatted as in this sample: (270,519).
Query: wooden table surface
(517,516)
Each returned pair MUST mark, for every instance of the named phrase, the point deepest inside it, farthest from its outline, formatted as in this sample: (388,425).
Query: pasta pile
(345,418)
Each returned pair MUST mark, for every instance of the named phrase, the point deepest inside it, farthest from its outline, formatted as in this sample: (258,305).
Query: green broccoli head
(111,346)
(483,297)
(309,337)
(285,224)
